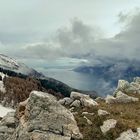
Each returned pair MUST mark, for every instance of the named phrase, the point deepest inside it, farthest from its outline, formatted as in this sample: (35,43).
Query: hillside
(78,117)
(11,64)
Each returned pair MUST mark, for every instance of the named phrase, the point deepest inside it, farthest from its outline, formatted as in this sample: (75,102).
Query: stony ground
(127,116)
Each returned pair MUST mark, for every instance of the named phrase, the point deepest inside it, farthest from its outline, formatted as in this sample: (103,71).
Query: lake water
(80,81)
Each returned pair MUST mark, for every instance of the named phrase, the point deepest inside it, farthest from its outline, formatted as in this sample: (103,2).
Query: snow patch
(5,110)
(2,88)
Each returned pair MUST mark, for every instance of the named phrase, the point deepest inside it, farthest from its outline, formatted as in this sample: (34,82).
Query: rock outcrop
(107,125)
(65,101)
(120,98)
(77,100)
(126,87)
(41,117)
(7,126)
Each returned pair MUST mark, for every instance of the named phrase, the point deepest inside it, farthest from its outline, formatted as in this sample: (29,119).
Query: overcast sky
(37,31)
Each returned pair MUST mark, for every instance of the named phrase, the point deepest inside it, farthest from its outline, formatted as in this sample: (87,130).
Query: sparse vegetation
(127,116)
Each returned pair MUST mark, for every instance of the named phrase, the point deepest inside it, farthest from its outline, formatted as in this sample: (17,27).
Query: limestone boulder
(120,98)
(65,101)
(88,102)
(78,96)
(76,103)
(122,85)
(110,99)
(102,112)
(107,125)
(7,126)
(129,135)
(124,98)
(45,118)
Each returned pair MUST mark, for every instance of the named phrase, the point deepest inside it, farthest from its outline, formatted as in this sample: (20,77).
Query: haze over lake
(80,81)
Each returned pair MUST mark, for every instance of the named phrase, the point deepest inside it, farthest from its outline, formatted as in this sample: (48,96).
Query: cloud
(76,40)
(81,41)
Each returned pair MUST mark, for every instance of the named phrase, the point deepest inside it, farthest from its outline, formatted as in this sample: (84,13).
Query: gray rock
(99,99)
(65,101)
(84,99)
(7,126)
(137,80)
(88,121)
(36,135)
(87,113)
(122,85)
(110,99)
(120,98)
(88,102)
(44,115)
(123,98)
(107,125)
(71,109)
(77,95)
(129,135)
(102,112)
(76,103)
(75,113)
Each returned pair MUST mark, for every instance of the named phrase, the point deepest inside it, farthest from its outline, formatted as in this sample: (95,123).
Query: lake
(80,81)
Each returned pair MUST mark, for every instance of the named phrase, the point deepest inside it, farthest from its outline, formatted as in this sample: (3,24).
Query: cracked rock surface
(44,118)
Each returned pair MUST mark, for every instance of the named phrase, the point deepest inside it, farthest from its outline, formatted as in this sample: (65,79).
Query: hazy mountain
(110,73)
(13,65)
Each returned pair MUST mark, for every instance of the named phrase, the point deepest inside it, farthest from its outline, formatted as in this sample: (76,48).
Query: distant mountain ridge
(13,65)
(20,72)
(111,73)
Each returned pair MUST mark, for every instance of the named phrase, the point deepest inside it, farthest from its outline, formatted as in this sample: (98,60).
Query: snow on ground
(4,110)
(2,88)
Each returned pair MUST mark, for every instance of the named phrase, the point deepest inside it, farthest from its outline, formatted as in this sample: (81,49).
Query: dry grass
(127,116)
(18,90)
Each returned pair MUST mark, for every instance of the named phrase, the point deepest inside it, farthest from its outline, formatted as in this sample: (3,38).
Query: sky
(41,33)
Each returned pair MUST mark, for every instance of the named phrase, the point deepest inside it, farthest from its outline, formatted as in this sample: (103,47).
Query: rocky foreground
(43,117)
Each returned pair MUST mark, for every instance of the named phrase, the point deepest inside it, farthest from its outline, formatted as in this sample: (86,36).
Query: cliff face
(43,117)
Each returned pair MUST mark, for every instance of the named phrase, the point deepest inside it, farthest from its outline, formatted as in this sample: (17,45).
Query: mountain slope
(12,65)
(107,75)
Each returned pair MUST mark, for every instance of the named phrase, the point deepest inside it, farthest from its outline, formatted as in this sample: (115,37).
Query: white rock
(110,99)
(76,103)
(99,99)
(5,110)
(75,113)
(137,80)
(122,85)
(2,87)
(138,131)
(46,114)
(123,98)
(77,95)
(87,113)
(88,121)
(65,101)
(102,112)
(88,102)
(107,125)
(85,99)
(120,98)
(71,109)
(129,135)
